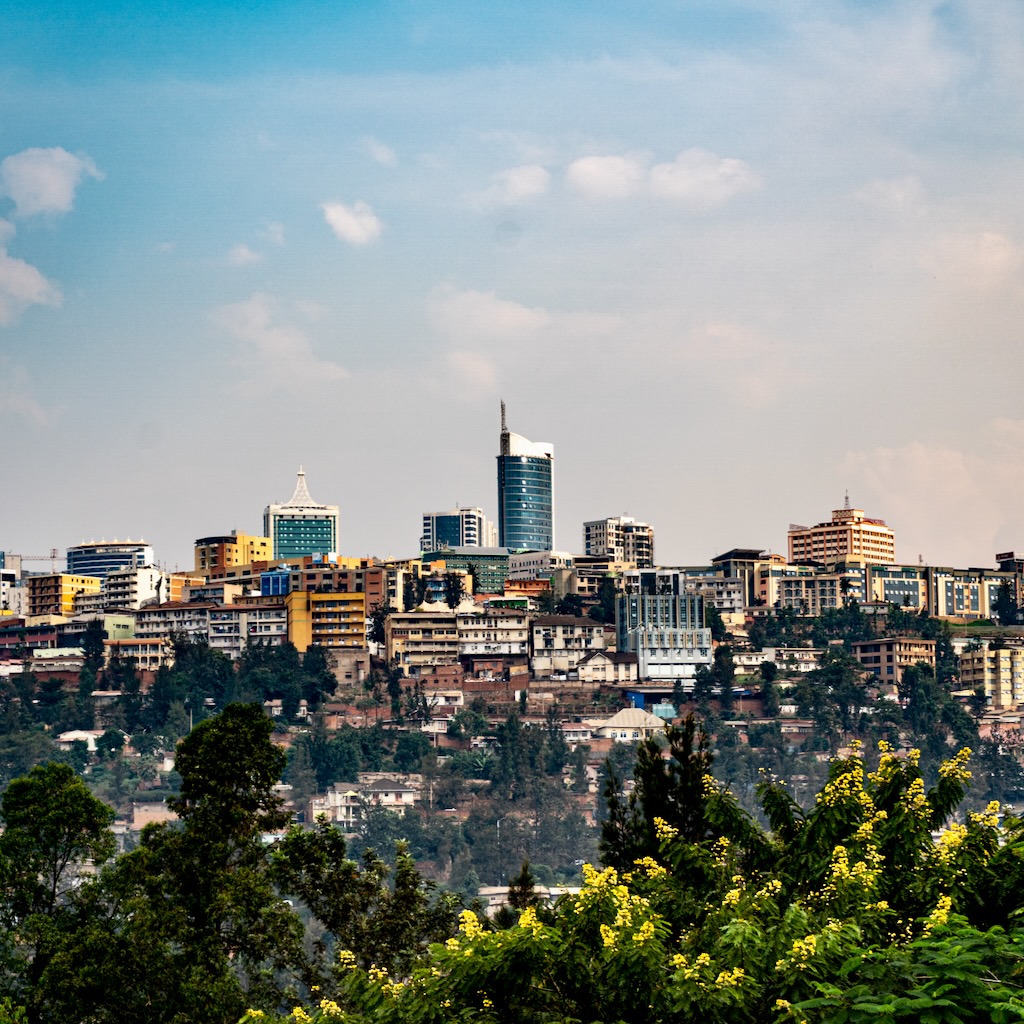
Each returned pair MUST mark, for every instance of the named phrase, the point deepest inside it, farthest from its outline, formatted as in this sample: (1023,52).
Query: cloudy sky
(732,259)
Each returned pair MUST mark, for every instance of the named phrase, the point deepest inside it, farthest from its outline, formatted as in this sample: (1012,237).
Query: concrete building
(538,565)
(525,492)
(998,670)
(301,526)
(234,626)
(418,640)
(849,534)
(620,538)
(457,528)
(176,617)
(888,658)
(213,554)
(666,632)
(99,559)
(332,620)
(493,633)
(54,594)
(558,643)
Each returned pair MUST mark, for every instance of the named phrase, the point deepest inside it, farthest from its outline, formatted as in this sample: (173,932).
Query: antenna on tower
(846,499)
(503,427)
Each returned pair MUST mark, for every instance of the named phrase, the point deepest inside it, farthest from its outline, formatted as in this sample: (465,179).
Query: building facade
(55,594)
(301,526)
(621,539)
(849,534)
(525,492)
(215,553)
(457,528)
(100,559)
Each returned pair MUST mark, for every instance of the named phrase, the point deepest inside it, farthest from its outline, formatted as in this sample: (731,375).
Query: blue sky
(732,260)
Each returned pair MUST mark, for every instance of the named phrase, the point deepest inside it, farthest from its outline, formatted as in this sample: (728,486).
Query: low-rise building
(419,640)
(996,669)
(559,642)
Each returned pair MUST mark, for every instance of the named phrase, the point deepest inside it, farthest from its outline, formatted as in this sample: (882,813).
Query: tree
(769,691)
(454,589)
(188,926)
(53,826)
(375,633)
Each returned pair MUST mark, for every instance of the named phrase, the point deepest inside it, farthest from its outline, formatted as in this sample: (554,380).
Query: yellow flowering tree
(864,908)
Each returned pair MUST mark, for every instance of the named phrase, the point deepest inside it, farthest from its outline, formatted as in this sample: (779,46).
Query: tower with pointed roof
(526,501)
(300,526)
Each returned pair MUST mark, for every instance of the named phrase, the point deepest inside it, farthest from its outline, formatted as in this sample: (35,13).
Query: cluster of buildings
(476,604)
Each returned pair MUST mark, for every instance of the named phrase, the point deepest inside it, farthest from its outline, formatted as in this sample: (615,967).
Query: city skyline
(732,259)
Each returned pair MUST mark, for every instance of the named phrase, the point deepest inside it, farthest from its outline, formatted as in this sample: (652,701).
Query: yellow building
(55,594)
(214,554)
(849,534)
(997,670)
(335,620)
(421,639)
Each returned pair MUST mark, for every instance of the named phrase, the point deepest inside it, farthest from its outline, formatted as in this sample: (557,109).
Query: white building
(538,565)
(620,538)
(458,528)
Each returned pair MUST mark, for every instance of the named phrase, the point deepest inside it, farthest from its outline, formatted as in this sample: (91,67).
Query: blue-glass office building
(526,493)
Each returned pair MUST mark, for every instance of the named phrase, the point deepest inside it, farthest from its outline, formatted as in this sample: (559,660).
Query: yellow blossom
(730,979)
(650,866)
(469,925)
(607,936)
(956,767)
(645,932)
(346,960)
(663,830)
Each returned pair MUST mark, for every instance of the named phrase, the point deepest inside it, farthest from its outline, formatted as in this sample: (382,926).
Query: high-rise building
(850,534)
(526,493)
(105,557)
(457,528)
(301,526)
(621,539)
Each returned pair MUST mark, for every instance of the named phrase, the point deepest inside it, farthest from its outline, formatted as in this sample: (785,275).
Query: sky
(734,260)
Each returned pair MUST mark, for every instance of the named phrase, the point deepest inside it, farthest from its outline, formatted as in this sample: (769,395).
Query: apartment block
(848,534)
(330,619)
(54,594)
(620,538)
(998,670)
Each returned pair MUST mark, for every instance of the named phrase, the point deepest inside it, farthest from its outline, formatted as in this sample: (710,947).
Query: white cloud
(379,152)
(473,371)
(21,284)
(44,180)
(274,232)
(280,354)
(951,505)
(702,178)
(15,395)
(356,224)
(482,315)
(242,256)
(895,195)
(607,177)
(975,260)
(516,185)
(695,177)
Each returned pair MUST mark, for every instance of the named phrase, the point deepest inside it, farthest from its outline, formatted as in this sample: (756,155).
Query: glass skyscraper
(525,492)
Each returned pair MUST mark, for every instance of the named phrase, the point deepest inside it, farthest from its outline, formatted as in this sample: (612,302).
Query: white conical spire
(301,495)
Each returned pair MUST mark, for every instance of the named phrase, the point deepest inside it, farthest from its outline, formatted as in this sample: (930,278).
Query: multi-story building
(998,670)
(558,643)
(234,626)
(457,528)
(538,565)
(966,593)
(99,559)
(889,657)
(330,619)
(849,534)
(666,632)
(54,594)
(133,588)
(494,633)
(418,640)
(301,526)
(487,566)
(620,538)
(213,554)
(175,617)
(525,492)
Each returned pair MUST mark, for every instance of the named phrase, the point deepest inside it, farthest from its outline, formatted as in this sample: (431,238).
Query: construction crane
(51,558)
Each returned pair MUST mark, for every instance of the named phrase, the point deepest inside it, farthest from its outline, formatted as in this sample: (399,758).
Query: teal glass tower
(526,496)
(301,526)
